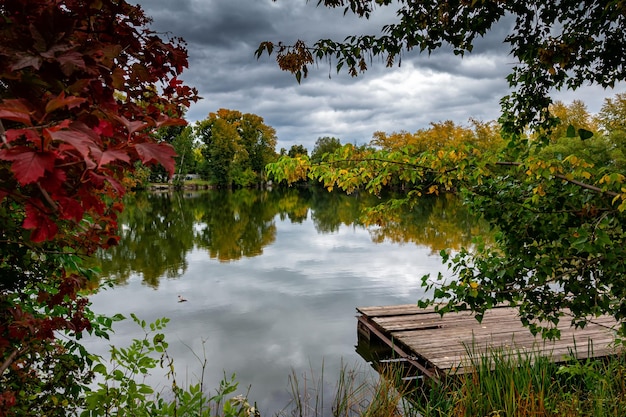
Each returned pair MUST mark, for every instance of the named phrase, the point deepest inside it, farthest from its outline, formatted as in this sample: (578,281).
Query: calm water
(272,279)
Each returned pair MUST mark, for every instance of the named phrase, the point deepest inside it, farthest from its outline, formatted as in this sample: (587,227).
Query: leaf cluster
(83,85)
(123,392)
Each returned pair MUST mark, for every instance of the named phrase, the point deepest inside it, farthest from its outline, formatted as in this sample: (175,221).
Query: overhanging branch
(570,180)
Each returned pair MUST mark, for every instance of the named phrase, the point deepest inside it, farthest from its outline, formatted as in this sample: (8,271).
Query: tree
(442,135)
(297,150)
(169,135)
(237,147)
(612,116)
(324,145)
(575,115)
(83,87)
(184,145)
(561,245)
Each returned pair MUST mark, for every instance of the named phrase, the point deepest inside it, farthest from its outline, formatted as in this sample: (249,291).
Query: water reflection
(304,262)
(158,230)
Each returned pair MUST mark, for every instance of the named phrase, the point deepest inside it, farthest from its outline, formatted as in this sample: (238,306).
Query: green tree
(236,147)
(184,145)
(561,246)
(221,146)
(297,150)
(324,145)
(575,115)
(612,121)
(612,116)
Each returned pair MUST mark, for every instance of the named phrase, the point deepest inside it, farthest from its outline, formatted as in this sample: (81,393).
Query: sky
(222,36)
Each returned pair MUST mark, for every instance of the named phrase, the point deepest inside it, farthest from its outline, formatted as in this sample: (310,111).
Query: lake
(272,279)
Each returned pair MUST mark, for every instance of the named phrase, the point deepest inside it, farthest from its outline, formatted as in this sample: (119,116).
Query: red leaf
(15,110)
(71,209)
(170,121)
(62,101)
(26,60)
(104,128)
(131,126)
(29,134)
(111,155)
(118,78)
(70,61)
(44,227)
(157,152)
(78,139)
(98,180)
(28,166)
(53,181)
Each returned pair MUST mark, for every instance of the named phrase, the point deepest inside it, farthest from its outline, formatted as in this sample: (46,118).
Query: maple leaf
(78,139)
(118,78)
(25,60)
(29,134)
(132,126)
(70,61)
(53,181)
(71,209)
(62,101)
(104,128)
(43,227)
(28,165)
(164,121)
(157,152)
(15,110)
(111,155)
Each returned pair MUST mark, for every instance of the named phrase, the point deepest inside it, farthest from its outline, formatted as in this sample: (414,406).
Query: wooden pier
(437,346)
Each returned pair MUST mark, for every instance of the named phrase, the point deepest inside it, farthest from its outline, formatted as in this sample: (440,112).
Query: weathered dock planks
(439,346)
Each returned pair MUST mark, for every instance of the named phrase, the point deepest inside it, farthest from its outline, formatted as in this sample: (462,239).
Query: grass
(504,383)
(355,394)
(513,383)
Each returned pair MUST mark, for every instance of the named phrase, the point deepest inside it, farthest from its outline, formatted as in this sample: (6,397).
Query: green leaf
(100,369)
(145,389)
(571,131)
(584,134)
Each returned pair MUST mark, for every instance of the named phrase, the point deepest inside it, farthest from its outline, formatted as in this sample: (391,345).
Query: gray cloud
(222,36)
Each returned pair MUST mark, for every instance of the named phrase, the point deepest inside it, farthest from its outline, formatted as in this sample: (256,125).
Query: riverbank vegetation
(503,383)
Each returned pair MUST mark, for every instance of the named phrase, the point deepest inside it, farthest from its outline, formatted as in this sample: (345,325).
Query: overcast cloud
(222,36)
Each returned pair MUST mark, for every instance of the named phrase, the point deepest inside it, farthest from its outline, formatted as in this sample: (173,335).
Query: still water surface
(272,279)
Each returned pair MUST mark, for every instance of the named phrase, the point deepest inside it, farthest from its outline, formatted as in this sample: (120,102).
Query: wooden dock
(437,346)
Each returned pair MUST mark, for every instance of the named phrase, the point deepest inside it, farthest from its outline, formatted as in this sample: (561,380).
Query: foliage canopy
(84,84)
(237,146)
(558,208)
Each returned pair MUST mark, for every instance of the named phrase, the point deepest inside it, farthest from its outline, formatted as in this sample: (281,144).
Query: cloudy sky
(222,36)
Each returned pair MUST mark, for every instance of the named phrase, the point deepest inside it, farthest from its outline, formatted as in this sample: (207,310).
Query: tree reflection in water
(158,230)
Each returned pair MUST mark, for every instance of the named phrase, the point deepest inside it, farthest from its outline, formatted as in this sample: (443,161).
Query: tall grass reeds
(502,383)
(523,383)
(356,394)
